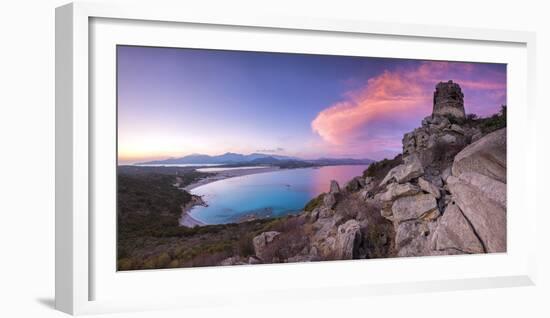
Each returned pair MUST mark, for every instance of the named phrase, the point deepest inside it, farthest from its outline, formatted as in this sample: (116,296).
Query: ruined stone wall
(448,100)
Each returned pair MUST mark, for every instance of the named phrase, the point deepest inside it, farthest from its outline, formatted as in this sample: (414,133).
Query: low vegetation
(494,122)
(380,168)
(315,202)
(486,124)
(150,201)
(149,235)
(183,176)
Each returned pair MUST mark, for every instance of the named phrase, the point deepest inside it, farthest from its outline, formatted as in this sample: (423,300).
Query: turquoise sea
(266,194)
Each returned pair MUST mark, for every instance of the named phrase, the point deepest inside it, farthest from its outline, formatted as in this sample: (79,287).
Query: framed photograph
(269,158)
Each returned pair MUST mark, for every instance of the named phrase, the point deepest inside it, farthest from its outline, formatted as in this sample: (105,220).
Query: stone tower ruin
(448,100)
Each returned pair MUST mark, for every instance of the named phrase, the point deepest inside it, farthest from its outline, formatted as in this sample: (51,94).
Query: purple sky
(174,102)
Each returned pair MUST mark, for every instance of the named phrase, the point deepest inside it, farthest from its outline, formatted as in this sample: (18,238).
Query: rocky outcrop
(454,233)
(488,218)
(445,195)
(478,186)
(443,173)
(420,206)
(261,242)
(410,169)
(355,184)
(348,240)
(234,260)
(413,238)
(487,156)
(334,187)
(429,187)
(396,190)
(490,188)
(435,140)
(470,217)
(330,198)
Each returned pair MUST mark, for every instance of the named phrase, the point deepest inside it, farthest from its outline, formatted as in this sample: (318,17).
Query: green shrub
(125,264)
(245,246)
(493,123)
(380,168)
(150,263)
(314,203)
(174,264)
(163,260)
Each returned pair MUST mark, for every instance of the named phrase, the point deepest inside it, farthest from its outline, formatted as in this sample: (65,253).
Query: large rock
(456,128)
(355,184)
(448,139)
(235,260)
(487,216)
(453,232)
(445,174)
(413,238)
(487,156)
(429,187)
(409,143)
(306,255)
(440,123)
(490,188)
(348,239)
(261,243)
(421,206)
(396,190)
(329,200)
(410,169)
(334,187)
(386,211)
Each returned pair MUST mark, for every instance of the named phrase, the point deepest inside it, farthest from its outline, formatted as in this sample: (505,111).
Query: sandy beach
(186,219)
(226,174)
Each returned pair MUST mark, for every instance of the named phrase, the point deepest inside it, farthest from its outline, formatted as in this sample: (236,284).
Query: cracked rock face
(454,232)
(334,187)
(413,238)
(487,156)
(487,217)
(429,187)
(445,197)
(413,207)
(261,241)
(478,186)
(410,169)
(490,188)
(395,191)
(348,239)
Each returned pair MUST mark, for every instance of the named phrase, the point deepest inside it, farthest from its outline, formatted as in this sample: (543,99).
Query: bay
(269,194)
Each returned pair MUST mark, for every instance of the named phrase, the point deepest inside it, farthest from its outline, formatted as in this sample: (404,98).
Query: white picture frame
(77,163)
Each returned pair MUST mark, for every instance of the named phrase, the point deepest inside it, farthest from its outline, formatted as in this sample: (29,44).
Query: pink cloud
(376,116)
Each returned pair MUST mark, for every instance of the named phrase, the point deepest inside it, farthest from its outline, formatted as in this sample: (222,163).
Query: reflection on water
(229,168)
(275,193)
(178,165)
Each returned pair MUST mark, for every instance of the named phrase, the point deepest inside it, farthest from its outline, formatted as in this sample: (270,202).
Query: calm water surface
(275,193)
(179,165)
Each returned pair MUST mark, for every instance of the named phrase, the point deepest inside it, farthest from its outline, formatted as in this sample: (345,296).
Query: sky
(174,102)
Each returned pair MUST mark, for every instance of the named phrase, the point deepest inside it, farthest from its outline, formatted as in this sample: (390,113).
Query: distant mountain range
(231,158)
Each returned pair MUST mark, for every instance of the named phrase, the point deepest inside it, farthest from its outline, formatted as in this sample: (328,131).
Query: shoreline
(186,219)
(226,174)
